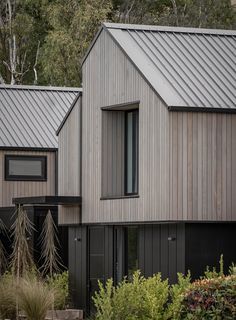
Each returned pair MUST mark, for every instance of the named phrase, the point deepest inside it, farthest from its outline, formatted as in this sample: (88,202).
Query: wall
(110,78)
(202,166)
(69,154)
(13,189)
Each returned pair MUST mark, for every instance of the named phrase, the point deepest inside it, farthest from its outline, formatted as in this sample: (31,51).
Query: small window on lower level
(21,168)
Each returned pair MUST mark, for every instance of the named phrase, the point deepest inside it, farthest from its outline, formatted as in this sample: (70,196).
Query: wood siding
(186,160)
(14,189)
(203,166)
(110,78)
(69,164)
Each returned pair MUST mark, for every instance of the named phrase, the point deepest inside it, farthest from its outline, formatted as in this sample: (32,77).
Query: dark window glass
(25,168)
(131,152)
(131,251)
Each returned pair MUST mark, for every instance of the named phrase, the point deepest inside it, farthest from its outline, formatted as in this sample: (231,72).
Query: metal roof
(30,115)
(188,68)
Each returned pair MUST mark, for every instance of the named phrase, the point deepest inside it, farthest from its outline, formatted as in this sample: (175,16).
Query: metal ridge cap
(123,26)
(40,88)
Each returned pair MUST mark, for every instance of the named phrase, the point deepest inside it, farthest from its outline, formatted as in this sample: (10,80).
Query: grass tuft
(35,298)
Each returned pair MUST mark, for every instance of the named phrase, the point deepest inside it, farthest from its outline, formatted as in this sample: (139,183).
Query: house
(152,152)
(29,117)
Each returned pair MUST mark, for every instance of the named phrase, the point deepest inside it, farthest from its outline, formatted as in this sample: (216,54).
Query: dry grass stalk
(21,257)
(49,239)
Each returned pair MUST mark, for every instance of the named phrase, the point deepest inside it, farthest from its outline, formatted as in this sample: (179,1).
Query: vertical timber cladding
(109,78)
(162,249)
(14,189)
(69,164)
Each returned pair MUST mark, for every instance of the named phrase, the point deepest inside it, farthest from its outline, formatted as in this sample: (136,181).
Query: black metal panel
(205,242)
(161,249)
(164,256)
(48,200)
(156,249)
(172,253)
(148,253)
(77,238)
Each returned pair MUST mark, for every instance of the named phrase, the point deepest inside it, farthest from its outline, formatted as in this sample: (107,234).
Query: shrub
(35,298)
(59,283)
(139,299)
(211,299)
(7,297)
(176,292)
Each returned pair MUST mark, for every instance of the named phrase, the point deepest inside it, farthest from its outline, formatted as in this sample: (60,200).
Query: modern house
(29,117)
(151,149)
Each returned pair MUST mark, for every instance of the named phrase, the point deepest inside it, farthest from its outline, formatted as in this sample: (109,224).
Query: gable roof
(188,68)
(30,115)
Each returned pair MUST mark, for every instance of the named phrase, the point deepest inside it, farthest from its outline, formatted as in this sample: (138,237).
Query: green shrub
(176,292)
(139,299)
(59,283)
(211,299)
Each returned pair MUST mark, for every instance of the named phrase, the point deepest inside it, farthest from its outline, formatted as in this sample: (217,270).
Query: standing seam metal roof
(192,68)
(30,115)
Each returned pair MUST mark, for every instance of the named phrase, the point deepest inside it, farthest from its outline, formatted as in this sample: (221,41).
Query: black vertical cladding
(161,249)
(205,242)
(77,237)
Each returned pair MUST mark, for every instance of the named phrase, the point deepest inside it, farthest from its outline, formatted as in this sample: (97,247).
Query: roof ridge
(40,88)
(188,30)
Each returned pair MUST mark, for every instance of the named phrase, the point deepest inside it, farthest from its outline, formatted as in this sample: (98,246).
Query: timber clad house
(147,156)
(150,147)
(29,117)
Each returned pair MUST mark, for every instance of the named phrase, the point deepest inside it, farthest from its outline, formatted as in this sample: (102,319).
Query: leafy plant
(177,291)
(59,283)
(211,299)
(35,298)
(139,299)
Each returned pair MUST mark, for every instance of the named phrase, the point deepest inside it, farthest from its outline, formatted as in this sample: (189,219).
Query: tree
(22,31)
(73,26)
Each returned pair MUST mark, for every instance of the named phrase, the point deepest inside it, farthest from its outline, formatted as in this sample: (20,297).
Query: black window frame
(42,177)
(135,161)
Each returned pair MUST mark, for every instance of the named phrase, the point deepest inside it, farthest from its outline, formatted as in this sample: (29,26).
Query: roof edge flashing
(40,88)
(188,30)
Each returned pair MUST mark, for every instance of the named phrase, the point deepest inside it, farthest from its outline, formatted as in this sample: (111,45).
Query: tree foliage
(44,41)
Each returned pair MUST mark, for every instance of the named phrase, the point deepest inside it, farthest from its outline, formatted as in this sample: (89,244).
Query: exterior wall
(186,170)
(110,78)
(202,166)
(69,164)
(13,189)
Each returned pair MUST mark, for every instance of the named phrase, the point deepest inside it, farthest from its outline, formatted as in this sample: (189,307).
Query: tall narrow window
(131,152)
